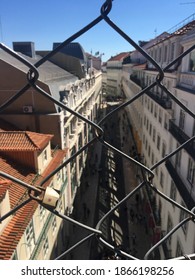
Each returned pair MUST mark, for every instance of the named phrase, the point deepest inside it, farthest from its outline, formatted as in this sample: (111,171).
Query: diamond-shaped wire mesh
(100,130)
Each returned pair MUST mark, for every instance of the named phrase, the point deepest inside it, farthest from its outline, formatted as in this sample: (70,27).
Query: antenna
(155,32)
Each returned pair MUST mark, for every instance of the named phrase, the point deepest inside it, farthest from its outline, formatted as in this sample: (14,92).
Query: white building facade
(159,126)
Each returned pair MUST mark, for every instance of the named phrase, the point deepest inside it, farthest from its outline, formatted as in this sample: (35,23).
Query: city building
(35,114)
(32,231)
(113,75)
(159,126)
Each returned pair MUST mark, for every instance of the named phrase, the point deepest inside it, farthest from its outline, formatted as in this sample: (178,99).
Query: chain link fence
(35,192)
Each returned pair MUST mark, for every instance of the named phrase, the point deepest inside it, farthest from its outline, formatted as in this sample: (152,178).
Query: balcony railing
(187,80)
(162,100)
(181,137)
(186,196)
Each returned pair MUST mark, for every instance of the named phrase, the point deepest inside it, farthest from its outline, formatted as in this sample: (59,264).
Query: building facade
(43,235)
(159,125)
(30,233)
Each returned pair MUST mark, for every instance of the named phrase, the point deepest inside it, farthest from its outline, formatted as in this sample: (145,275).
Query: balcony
(181,137)
(187,81)
(186,196)
(161,99)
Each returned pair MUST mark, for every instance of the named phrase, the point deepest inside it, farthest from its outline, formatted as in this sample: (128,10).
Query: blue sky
(47,21)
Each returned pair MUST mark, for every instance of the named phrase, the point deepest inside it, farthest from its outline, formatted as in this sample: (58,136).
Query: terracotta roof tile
(119,57)
(13,232)
(23,140)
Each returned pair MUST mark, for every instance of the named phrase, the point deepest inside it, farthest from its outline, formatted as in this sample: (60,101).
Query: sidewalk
(139,240)
(85,205)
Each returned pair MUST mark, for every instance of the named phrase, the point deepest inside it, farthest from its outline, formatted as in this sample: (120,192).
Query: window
(152,159)
(155,111)
(159,55)
(151,108)
(147,124)
(42,211)
(163,150)
(192,62)
(178,158)
(183,216)
(157,168)
(154,134)
(155,54)
(150,129)
(148,104)
(60,206)
(172,51)
(73,126)
(44,156)
(30,237)
(144,139)
(149,150)
(166,122)
(182,119)
(169,228)
(160,116)
(193,130)
(173,191)
(54,225)
(191,171)
(158,142)
(144,120)
(162,179)
(45,247)
(165,53)
(145,100)
(58,175)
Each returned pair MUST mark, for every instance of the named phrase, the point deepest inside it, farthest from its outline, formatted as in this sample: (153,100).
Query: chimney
(26,48)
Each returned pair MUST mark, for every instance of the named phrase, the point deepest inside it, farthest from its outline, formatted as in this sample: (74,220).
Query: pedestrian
(87,185)
(137,200)
(133,239)
(85,209)
(88,212)
(132,215)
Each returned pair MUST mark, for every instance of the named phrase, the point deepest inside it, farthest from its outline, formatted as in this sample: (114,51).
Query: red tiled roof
(23,140)
(189,26)
(119,57)
(15,228)
(181,31)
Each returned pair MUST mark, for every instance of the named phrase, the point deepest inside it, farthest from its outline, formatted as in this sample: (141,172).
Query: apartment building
(113,74)
(35,113)
(32,231)
(159,126)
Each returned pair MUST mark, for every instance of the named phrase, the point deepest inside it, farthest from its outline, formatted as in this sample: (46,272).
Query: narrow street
(112,190)
(107,179)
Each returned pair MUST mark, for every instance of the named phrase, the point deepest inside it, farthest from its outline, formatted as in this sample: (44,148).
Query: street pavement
(106,180)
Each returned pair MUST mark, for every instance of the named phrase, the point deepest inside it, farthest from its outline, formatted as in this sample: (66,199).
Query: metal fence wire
(34,192)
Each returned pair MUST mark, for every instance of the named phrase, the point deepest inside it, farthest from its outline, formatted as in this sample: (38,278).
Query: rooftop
(23,141)
(119,57)
(26,140)
(15,228)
